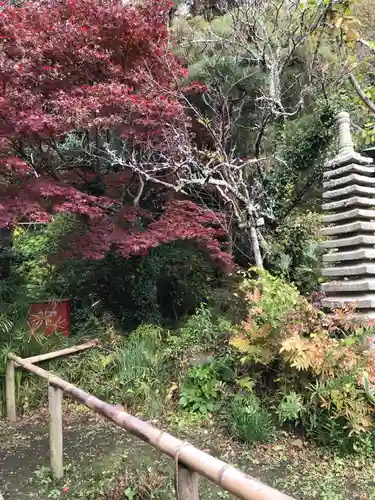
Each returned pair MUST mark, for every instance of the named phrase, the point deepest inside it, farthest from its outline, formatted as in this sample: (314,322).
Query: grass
(252,423)
(104,463)
(143,369)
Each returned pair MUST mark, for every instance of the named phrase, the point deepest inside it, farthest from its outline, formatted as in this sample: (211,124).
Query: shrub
(137,359)
(294,251)
(228,300)
(334,434)
(273,297)
(201,332)
(252,422)
(94,370)
(199,390)
(290,407)
(163,286)
(317,362)
(270,299)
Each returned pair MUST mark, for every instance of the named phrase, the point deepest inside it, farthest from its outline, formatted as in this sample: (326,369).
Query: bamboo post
(63,352)
(10,391)
(187,484)
(224,475)
(56,430)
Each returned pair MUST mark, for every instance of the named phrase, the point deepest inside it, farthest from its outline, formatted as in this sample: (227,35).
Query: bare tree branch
(361,93)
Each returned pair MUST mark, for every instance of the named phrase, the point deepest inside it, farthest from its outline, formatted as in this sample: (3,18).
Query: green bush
(314,361)
(34,249)
(335,435)
(337,415)
(294,251)
(251,422)
(94,370)
(302,146)
(228,300)
(162,287)
(201,332)
(290,407)
(199,391)
(120,370)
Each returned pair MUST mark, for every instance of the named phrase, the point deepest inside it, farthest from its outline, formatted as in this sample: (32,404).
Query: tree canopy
(76,77)
(152,123)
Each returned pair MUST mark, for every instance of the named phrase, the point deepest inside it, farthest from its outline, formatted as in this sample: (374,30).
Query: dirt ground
(96,452)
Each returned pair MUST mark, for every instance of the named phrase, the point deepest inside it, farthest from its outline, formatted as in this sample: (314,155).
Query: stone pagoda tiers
(349,226)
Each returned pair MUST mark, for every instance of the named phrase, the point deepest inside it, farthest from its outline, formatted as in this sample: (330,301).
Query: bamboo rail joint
(190,461)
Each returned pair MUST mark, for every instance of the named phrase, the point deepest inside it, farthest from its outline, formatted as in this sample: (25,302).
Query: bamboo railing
(190,462)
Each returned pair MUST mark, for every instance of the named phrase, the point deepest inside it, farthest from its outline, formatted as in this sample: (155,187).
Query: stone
(367,313)
(349,228)
(360,239)
(346,145)
(348,190)
(366,301)
(360,254)
(349,202)
(353,168)
(350,270)
(349,194)
(356,213)
(349,179)
(349,286)
(346,159)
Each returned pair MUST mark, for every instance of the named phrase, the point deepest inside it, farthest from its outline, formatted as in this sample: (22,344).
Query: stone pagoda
(349,226)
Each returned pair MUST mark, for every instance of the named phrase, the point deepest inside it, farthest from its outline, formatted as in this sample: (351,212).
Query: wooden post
(10,392)
(187,484)
(218,472)
(63,352)
(56,430)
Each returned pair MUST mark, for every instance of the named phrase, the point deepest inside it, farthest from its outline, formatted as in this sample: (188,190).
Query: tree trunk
(256,249)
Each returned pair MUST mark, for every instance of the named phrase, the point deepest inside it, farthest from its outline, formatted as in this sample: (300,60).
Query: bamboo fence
(190,462)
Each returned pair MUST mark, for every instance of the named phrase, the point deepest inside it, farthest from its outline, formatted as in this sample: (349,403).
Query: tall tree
(77,75)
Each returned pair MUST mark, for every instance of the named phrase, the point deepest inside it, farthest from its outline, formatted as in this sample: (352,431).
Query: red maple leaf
(119,79)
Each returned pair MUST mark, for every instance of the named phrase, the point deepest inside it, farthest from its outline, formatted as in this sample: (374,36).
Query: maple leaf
(86,66)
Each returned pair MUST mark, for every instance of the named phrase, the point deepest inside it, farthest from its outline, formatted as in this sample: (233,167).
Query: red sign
(50,317)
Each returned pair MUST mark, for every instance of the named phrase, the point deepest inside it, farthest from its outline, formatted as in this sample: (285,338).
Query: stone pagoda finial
(345,136)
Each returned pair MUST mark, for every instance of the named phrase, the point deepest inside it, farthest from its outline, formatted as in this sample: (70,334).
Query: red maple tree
(99,71)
